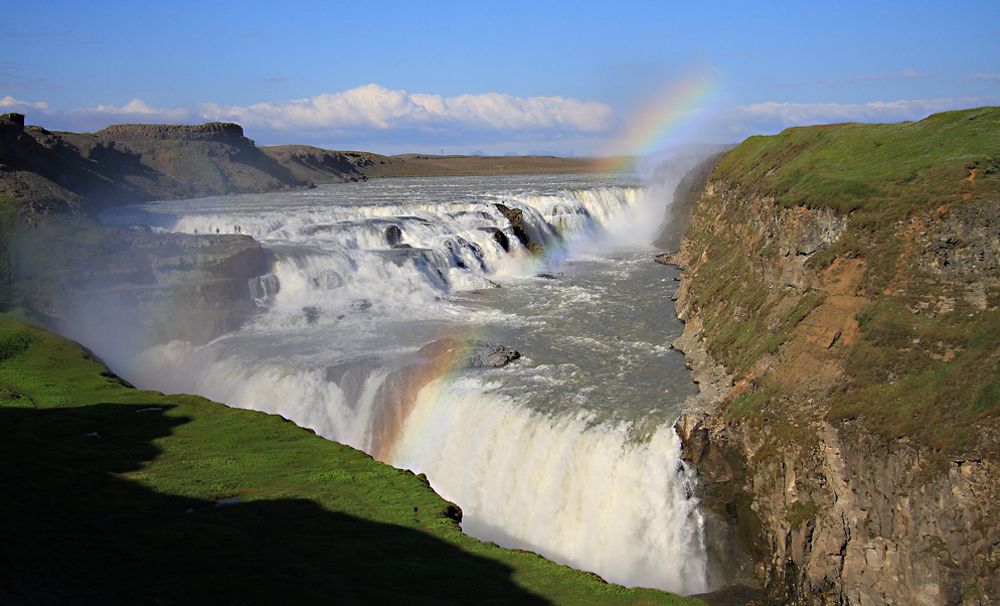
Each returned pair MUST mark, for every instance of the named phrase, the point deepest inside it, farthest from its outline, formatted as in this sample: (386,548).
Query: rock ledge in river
(470,354)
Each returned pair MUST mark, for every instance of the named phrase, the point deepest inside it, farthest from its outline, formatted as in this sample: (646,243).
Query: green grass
(800,513)
(110,497)
(903,386)
(879,172)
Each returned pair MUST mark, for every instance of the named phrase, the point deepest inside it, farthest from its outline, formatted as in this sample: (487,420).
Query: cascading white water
(588,496)
(568,452)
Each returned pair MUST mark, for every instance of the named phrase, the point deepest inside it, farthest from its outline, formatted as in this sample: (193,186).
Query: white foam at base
(581,495)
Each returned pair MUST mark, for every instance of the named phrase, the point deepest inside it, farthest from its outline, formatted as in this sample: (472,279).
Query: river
(569,450)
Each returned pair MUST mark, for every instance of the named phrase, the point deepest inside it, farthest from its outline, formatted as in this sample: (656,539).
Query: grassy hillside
(881,172)
(114,495)
(922,205)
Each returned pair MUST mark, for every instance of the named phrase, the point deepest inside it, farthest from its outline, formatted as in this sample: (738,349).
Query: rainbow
(668,118)
(398,400)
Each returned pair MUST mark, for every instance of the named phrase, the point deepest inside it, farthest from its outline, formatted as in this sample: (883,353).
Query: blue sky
(534,76)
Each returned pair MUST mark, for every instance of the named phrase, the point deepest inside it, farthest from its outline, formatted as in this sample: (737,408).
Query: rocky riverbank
(841,434)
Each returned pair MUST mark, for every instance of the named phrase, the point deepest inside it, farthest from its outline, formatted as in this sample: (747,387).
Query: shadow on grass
(78,527)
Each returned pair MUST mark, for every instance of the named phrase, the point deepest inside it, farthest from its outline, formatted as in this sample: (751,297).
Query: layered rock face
(832,510)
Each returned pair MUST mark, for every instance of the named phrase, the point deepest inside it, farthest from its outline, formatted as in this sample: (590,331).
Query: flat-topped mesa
(12,122)
(45,172)
(220,132)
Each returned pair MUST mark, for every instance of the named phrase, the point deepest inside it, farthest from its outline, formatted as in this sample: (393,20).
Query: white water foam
(344,309)
(588,496)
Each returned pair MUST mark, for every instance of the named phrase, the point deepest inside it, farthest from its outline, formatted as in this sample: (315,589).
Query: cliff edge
(44,172)
(840,293)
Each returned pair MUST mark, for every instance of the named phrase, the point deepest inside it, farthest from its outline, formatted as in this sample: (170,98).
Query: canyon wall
(846,432)
(131,286)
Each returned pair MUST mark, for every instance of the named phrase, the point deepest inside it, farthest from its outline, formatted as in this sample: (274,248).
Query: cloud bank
(391,121)
(370,107)
(367,115)
(376,107)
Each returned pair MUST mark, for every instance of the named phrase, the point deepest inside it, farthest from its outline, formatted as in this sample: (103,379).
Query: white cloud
(912,73)
(137,110)
(906,74)
(10,104)
(376,107)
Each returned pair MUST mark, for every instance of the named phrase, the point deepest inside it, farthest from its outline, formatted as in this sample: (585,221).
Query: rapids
(569,451)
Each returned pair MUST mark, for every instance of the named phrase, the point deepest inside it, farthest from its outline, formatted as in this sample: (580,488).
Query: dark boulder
(393,235)
(473,353)
(499,236)
(516,218)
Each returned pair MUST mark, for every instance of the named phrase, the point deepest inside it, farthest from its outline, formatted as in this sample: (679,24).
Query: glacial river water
(568,451)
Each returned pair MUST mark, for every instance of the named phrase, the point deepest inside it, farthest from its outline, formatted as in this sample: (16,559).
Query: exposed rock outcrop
(685,197)
(316,165)
(832,511)
(474,353)
(516,218)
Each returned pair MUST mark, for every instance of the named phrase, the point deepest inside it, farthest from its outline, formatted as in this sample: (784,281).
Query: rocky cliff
(130,286)
(44,172)
(840,294)
(316,165)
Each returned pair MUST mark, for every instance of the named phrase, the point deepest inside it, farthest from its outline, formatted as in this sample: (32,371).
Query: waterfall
(568,452)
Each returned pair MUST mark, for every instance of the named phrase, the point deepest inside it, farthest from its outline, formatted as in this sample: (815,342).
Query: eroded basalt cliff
(44,172)
(840,428)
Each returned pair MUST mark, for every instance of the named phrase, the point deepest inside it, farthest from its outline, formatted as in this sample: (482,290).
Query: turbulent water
(568,451)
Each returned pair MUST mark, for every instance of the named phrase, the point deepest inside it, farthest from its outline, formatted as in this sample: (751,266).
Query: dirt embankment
(421,165)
